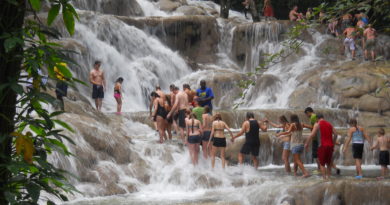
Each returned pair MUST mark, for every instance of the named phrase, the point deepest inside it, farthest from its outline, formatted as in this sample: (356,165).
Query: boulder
(171,5)
(191,10)
(115,7)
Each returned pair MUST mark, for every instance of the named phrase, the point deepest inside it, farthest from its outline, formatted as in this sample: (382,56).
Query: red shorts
(325,155)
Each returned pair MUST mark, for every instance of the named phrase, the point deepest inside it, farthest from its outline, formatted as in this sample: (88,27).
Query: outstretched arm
(242,131)
(375,145)
(367,137)
(312,134)
(228,129)
(174,107)
(348,140)
(288,132)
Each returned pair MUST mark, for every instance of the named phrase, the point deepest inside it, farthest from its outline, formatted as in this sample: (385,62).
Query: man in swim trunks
(349,41)
(180,106)
(205,95)
(96,77)
(327,135)
(370,41)
(251,146)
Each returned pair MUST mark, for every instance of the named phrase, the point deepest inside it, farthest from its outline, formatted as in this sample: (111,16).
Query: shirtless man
(96,77)
(190,93)
(180,105)
(370,41)
(294,15)
(383,144)
(172,88)
(349,41)
(346,21)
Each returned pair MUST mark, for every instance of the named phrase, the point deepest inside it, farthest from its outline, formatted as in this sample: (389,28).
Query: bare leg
(161,128)
(169,130)
(196,153)
(318,164)
(373,55)
(295,168)
(285,155)
(223,156)
(182,136)
(329,170)
(191,150)
(358,163)
(255,162)
(205,150)
(213,151)
(297,159)
(366,54)
(120,105)
(97,104)
(353,54)
(240,158)
(323,172)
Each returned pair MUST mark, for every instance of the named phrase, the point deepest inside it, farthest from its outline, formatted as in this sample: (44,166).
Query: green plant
(29,132)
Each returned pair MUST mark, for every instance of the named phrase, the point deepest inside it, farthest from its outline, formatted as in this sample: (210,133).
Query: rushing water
(117,156)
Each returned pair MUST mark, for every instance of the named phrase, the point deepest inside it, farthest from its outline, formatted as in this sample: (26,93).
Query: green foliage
(38,132)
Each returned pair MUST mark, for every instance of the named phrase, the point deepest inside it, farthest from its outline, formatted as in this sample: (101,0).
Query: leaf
(10,43)
(63,70)
(64,125)
(34,191)
(35,4)
(53,13)
(68,20)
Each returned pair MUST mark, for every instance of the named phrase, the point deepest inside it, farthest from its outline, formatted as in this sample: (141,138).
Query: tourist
(370,42)
(172,98)
(346,21)
(268,9)
(309,13)
(205,95)
(327,135)
(332,26)
(180,106)
(61,85)
(285,125)
(309,112)
(159,115)
(294,15)
(190,93)
(207,120)
(198,110)
(218,138)
(297,143)
(361,24)
(382,143)
(357,134)
(349,41)
(322,17)
(246,7)
(160,92)
(96,77)
(118,94)
(251,146)
(194,132)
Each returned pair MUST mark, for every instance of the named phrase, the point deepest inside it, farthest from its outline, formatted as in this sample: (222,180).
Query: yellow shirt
(59,75)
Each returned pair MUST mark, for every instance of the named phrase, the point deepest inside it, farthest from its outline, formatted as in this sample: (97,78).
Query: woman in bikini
(219,140)
(194,133)
(207,124)
(118,94)
(285,125)
(159,115)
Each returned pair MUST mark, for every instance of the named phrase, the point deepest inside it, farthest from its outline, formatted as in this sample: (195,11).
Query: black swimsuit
(161,111)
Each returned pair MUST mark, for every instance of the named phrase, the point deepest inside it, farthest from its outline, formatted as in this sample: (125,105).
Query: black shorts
(182,118)
(206,135)
(314,149)
(61,89)
(219,142)
(384,158)
(357,150)
(194,139)
(250,148)
(97,91)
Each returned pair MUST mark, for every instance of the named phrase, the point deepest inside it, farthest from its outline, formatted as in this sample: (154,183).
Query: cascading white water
(127,52)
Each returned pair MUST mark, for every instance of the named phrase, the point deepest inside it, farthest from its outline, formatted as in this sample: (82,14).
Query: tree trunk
(225,6)
(11,21)
(253,10)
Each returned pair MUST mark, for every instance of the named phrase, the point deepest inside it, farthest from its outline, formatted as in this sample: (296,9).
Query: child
(118,94)
(383,144)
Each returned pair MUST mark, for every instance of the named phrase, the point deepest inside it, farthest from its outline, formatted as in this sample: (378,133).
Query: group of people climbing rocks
(190,113)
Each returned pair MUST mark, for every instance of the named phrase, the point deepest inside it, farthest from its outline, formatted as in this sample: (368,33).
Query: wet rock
(207,182)
(195,37)
(113,189)
(171,5)
(115,7)
(191,10)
